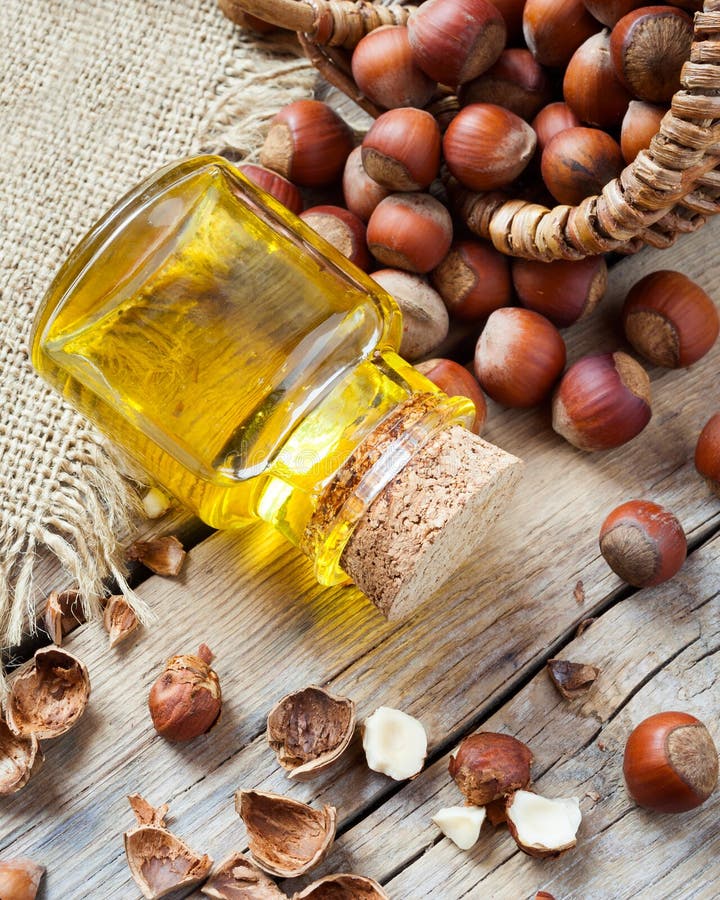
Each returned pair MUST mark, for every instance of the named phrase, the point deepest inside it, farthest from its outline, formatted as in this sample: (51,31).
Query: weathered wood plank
(578,748)
(273,630)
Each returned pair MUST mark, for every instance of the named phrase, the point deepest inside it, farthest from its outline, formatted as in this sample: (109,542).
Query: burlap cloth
(95,95)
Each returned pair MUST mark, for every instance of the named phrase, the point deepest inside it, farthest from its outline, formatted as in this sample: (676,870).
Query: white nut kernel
(543,827)
(461,824)
(155,503)
(394,743)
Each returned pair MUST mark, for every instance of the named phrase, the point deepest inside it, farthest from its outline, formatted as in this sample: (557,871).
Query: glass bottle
(241,360)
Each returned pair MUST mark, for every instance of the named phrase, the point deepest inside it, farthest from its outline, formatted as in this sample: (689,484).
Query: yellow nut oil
(232,352)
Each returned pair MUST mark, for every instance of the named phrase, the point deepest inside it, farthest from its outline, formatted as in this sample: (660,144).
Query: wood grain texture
(252,599)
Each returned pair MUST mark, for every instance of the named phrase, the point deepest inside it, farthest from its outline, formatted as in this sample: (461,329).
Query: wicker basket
(670,189)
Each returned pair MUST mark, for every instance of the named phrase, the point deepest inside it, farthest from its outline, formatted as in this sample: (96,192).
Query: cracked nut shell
(20,759)
(570,678)
(286,838)
(487,766)
(159,862)
(342,887)
(309,729)
(20,878)
(48,695)
(163,555)
(238,879)
(185,700)
(119,619)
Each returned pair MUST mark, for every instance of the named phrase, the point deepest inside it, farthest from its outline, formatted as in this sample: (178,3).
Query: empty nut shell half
(20,878)
(159,862)
(64,611)
(119,619)
(238,879)
(48,695)
(20,758)
(286,838)
(309,730)
(342,887)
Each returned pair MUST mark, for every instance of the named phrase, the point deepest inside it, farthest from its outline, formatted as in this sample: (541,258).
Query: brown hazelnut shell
(239,879)
(342,887)
(63,613)
(707,453)
(163,555)
(579,162)
(119,619)
(48,695)
(160,863)
(516,82)
(20,759)
(186,699)
(570,678)
(488,765)
(554,29)
(286,838)
(20,878)
(309,730)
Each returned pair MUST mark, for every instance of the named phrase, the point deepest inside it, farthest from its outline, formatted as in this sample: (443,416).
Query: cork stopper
(429,519)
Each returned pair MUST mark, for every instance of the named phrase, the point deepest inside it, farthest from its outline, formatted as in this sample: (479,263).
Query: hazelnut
(473,279)
(639,126)
(307,143)
(20,759)
(395,743)
(163,555)
(361,192)
(384,68)
(155,502)
(591,88)
(453,41)
(643,543)
(20,878)
(48,695)
(456,381)
(488,766)
(410,231)
(602,402)
(707,453)
(579,162)
(551,120)
(649,47)
(309,730)
(487,147)
(670,320)
(272,183)
(670,763)
(401,150)
(119,619)
(512,12)
(160,863)
(554,29)
(238,879)
(570,678)
(516,82)
(542,827)
(564,291)
(185,700)
(64,611)
(342,887)
(519,357)
(461,824)
(425,321)
(341,229)
(609,12)
(286,838)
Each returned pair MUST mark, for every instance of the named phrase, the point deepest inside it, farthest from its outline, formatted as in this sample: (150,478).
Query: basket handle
(336,23)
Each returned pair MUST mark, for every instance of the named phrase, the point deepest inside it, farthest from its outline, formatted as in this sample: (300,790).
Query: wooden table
(474,657)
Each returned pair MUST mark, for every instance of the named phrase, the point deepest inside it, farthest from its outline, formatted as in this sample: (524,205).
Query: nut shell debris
(119,619)
(541,827)
(163,555)
(159,862)
(238,879)
(488,765)
(309,730)
(186,699)
(286,838)
(570,678)
(48,695)
(342,887)
(63,613)
(20,878)
(20,759)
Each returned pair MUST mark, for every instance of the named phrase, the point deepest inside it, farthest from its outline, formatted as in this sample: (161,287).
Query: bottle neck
(353,445)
